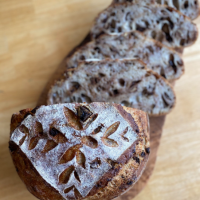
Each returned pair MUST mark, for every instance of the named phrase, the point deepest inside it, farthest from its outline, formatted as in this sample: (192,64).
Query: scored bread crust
(34,182)
(190,8)
(126,82)
(159,22)
(135,156)
(159,58)
(120,184)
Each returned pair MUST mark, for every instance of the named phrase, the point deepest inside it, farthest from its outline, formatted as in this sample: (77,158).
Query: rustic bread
(159,58)
(80,151)
(126,82)
(159,22)
(190,8)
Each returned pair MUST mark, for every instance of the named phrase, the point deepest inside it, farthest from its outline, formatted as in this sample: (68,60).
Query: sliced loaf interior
(127,82)
(161,59)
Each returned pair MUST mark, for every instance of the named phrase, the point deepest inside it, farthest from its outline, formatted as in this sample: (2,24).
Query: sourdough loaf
(162,23)
(159,58)
(126,82)
(190,8)
(80,151)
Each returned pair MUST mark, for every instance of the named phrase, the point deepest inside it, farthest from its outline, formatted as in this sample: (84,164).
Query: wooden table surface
(35,35)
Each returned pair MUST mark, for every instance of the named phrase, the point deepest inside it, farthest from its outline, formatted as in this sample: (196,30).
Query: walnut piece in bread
(126,82)
(159,58)
(189,8)
(161,23)
(80,151)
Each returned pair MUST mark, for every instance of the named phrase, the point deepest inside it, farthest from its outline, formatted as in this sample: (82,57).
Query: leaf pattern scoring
(112,129)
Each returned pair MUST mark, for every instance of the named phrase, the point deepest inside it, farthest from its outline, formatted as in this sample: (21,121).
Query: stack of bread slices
(133,55)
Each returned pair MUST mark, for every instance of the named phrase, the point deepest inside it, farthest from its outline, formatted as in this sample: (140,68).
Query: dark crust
(31,178)
(125,183)
(128,117)
(18,118)
(116,167)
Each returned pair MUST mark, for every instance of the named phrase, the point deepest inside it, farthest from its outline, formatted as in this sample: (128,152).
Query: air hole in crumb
(119,29)
(97,49)
(134,83)
(182,42)
(115,92)
(160,37)
(80,100)
(186,5)
(82,57)
(74,86)
(153,34)
(140,28)
(113,24)
(172,64)
(86,98)
(176,4)
(94,80)
(122,82)
(102,75)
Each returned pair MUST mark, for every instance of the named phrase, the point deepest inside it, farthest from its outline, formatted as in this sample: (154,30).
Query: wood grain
(35,35)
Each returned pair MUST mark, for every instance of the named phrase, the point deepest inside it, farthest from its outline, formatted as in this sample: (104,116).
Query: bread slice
(159,58)
(159,22)
(126,82)
(190,8)
(80,151)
